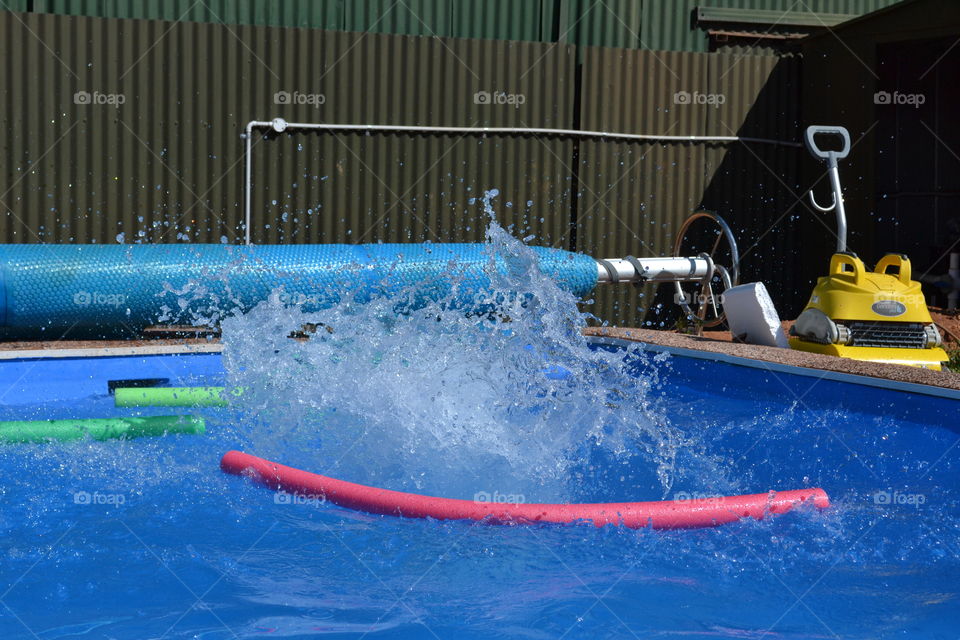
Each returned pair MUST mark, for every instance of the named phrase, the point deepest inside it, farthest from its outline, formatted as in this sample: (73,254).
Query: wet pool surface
(148,539)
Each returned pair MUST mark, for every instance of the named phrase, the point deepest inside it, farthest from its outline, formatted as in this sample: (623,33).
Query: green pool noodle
(97,428)
(173,396)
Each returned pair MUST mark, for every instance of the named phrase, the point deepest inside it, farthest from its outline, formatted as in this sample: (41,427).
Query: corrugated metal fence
(639,24)
(636,195)
(130,130)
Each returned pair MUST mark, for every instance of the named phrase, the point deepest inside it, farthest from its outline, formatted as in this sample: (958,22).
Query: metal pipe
(274,124)
(279,125)
(655,270)
(831,157)
(838,205)
(954,274)
(247,184)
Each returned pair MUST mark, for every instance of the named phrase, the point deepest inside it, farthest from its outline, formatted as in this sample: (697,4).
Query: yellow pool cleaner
(879,315)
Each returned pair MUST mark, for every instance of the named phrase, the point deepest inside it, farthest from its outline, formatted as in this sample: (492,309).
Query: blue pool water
(148,539)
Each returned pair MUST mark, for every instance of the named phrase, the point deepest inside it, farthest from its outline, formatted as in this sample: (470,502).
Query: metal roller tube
(654,270)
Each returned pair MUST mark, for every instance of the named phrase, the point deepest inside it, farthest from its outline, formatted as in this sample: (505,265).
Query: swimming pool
(147,539)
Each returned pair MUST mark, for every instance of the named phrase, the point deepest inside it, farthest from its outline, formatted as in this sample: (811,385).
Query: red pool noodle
(668,514)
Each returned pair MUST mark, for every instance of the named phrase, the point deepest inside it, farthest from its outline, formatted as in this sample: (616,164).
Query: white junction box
(752,317)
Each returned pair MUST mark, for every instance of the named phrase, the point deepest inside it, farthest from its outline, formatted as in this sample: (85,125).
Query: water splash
(436,400)
(513,402)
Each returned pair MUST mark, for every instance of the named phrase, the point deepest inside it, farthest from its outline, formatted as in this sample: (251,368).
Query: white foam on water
(437,400)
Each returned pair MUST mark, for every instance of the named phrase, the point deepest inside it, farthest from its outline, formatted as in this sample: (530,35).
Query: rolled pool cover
(97,428)
(668,514)
(174,396)
(103,287)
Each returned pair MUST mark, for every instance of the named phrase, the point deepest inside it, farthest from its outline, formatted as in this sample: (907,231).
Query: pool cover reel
(668,514)
(46,286)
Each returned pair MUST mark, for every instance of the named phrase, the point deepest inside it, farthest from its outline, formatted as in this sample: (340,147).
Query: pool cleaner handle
(831,157)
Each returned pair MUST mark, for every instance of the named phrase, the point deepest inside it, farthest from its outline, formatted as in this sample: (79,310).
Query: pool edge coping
(775,367)
(810,372)
(109,352)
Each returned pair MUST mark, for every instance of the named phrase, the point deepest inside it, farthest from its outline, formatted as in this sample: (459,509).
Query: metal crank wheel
(702,300)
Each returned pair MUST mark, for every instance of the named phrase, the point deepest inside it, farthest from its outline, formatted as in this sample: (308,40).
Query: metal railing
(279,125)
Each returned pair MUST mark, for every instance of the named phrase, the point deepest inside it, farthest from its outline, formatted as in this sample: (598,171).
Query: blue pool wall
(34,381)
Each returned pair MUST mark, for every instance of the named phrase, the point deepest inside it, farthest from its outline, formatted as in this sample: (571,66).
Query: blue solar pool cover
(134,285)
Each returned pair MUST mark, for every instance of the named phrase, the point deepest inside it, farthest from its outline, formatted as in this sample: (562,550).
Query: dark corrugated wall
(643,24)
(666,23)
(613,23)
(317,14)
(634,196)
(893,145)
(166,165)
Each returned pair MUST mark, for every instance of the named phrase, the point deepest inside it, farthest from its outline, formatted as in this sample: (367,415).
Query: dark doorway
(918,152)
